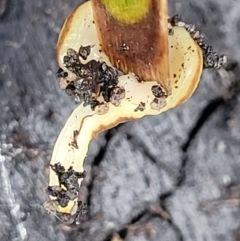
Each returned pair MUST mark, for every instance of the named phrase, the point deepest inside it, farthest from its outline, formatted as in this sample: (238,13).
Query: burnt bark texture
(174,177)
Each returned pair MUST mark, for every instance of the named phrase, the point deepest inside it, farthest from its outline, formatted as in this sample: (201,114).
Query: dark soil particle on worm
(210,58)
(93,79)
(66,191)
(141,107)
(158,91)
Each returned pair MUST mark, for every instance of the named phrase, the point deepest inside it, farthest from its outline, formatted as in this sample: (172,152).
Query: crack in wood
(139,145)
(163,198)
(206,114)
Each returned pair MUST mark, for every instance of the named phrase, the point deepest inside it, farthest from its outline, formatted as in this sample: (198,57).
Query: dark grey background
(170,177)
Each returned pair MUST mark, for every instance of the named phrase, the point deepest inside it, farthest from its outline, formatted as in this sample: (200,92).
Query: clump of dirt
(94,81)
(210,57)
(66,191)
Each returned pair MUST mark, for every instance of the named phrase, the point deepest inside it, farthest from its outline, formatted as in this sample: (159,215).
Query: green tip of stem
(127,11)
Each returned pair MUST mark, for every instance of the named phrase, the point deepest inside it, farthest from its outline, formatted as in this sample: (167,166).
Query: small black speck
(141,107)
(123,48)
